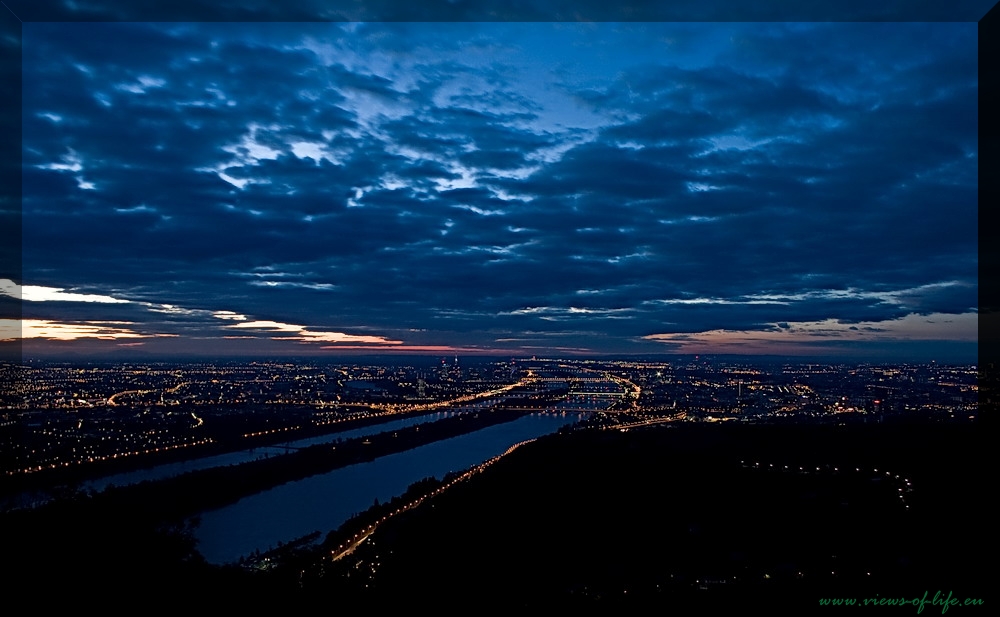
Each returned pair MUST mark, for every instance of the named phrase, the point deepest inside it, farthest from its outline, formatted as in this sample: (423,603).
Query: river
(323,502)
(168,470)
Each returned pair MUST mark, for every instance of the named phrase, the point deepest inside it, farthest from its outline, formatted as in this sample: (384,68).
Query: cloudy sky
(509,188)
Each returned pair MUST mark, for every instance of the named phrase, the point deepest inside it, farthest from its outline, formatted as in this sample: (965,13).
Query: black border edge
(989,192)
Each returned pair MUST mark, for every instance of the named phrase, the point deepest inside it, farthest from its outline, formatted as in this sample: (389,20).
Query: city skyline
(500,188)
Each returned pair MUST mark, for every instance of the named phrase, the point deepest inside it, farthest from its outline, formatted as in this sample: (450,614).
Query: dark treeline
(225,429)
(213,488)
(196,491)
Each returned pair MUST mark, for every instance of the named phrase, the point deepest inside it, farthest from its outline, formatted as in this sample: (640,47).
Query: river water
(168,470)
(34,498)
(323,502)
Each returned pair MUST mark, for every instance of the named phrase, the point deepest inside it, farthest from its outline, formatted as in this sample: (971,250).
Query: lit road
(348,546)
(624,427)
(111,399)
(524,381)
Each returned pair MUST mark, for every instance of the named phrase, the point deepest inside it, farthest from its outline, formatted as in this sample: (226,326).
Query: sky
(499,188)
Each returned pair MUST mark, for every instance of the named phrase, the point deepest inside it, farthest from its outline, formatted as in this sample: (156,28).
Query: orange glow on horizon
(806,337)
(11,329)
(303,334)
(404,347)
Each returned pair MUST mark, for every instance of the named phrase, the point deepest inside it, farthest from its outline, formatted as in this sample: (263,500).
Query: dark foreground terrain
(679,518)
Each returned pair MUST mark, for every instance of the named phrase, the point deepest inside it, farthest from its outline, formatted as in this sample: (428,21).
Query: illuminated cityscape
(200,443)
(64,415)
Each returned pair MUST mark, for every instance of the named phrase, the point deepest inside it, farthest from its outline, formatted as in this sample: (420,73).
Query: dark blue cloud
(496,10)
(507,182)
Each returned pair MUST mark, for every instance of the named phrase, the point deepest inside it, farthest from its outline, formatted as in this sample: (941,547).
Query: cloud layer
(503,187)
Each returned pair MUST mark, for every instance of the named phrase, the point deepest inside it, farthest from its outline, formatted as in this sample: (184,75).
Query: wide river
(323,502)
(168,470)
(33,498)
